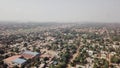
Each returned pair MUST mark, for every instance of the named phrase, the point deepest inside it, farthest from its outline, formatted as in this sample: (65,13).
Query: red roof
(27,56)
(12,58)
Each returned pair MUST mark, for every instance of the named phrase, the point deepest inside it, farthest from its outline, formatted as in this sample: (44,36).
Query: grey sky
(60,10)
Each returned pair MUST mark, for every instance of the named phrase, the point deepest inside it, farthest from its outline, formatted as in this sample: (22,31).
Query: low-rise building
(30,55)
(15,61)
(20,60)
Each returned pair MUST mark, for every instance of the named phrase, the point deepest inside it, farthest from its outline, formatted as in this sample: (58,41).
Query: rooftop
(12,58)
(19,61)
(31,53)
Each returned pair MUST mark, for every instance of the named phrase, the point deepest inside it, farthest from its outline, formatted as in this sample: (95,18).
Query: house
(103,56)
(42,65)
(90,52)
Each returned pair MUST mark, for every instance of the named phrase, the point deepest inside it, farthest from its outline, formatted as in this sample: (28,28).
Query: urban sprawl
(59,45)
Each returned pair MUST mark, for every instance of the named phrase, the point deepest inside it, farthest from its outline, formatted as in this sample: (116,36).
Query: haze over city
(59,33)
(60,10)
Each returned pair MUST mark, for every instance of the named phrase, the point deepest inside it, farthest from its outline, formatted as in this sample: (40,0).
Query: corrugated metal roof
(19,61)
(31,53)
(28,56)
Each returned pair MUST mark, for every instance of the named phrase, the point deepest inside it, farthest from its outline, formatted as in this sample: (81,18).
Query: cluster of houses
(22,59)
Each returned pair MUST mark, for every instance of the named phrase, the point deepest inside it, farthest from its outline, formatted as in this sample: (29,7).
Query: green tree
(51,66)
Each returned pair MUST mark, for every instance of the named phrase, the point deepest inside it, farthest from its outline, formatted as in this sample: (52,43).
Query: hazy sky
(60,10)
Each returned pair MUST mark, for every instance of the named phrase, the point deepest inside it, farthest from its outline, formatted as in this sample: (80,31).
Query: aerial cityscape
(59,33)
(60,45)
